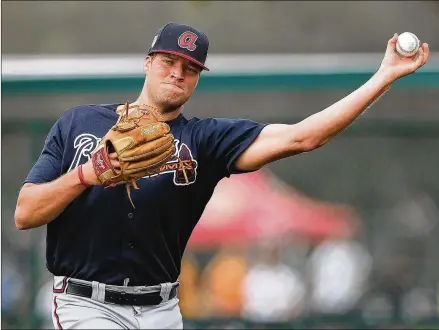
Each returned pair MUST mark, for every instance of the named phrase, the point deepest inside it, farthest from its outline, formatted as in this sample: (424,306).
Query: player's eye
(191,69)
(167,61)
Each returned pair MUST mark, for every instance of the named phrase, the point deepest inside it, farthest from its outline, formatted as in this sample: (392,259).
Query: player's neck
(165,115)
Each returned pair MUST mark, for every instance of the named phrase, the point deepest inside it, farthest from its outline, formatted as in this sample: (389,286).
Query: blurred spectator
(377,306)
(272,290)
(189,289)
(222,283)
(418,303)
(339,274)
(395,276)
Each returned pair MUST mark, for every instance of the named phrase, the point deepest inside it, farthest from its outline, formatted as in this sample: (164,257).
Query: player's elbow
(306,145)
(305,138)
(296,147)
(25,219)
(311,142)
(21,218)
(25,216)
(301,141)
(312,145)
(26,211)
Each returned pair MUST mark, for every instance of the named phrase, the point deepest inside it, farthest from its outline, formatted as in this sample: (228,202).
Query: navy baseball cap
(182,40)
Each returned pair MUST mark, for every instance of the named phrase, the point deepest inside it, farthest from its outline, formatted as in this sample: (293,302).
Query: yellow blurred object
(189,289)
(222,283)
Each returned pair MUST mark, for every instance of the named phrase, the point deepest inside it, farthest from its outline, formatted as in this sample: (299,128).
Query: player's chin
(177,98)
(173,103)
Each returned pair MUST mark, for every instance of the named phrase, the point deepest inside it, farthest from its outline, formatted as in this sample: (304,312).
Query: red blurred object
(251,206)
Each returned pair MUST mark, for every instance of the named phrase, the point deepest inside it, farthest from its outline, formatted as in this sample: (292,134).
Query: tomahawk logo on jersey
(183,166)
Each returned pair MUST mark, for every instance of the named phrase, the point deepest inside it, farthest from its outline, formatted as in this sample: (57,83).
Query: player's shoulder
(84,113)
(91,108)
(197,123)
(214,123)
(210,121)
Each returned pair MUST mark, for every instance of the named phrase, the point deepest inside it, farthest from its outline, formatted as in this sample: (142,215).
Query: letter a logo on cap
(187,40)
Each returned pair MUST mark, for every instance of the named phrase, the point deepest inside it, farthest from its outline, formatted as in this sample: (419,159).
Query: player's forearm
(319,128)
(39,204)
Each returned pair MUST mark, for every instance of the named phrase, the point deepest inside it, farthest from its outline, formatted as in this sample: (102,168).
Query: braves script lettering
(84,145)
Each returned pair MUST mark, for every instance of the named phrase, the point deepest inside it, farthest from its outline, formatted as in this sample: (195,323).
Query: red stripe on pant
(55,314)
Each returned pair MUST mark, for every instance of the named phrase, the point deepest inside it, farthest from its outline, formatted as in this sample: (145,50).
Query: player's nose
(177,72)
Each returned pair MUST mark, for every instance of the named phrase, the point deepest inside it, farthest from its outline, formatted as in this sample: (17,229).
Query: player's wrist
(386,75)
(87,175)
(81,177)
(384,78)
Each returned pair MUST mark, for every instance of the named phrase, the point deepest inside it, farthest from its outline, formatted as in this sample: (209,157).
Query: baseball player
(116,257)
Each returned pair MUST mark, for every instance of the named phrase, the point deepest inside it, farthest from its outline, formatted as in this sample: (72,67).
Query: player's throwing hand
(395,67)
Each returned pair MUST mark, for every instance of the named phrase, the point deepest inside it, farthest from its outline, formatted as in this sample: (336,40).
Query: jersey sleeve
(49,165)
(225,139)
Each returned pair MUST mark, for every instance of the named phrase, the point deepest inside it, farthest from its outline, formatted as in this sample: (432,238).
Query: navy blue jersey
(99,236)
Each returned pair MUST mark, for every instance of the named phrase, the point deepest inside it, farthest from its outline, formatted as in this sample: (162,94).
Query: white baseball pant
(75,312)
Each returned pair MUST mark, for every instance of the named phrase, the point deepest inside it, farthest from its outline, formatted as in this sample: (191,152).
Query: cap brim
(182,55)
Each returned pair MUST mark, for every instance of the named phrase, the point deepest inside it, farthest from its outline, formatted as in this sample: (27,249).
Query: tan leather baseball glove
(142,142)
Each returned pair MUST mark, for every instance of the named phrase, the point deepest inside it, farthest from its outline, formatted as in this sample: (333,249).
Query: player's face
(171,79)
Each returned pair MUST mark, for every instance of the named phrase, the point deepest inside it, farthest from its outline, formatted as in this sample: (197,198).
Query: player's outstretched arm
(278,141)
(39,204)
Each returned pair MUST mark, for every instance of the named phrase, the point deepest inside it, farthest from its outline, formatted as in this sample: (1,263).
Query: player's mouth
(174,85)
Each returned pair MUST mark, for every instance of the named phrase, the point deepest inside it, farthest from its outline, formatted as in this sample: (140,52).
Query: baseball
(407,44)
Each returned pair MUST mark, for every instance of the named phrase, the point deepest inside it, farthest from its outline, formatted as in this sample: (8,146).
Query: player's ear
(147,65)
(198,80)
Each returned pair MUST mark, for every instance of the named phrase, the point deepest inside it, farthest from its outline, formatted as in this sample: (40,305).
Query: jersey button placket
(130,244)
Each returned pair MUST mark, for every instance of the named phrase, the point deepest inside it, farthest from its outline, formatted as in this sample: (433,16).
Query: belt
(120,298)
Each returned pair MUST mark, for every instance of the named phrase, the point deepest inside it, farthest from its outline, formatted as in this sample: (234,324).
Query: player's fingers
(115,163)
(419,60)
(391,44)
(392,41)
(426,50)
(113,155)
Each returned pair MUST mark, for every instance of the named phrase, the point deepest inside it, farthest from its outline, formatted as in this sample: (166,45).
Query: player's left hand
(114,159)
(393,67)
